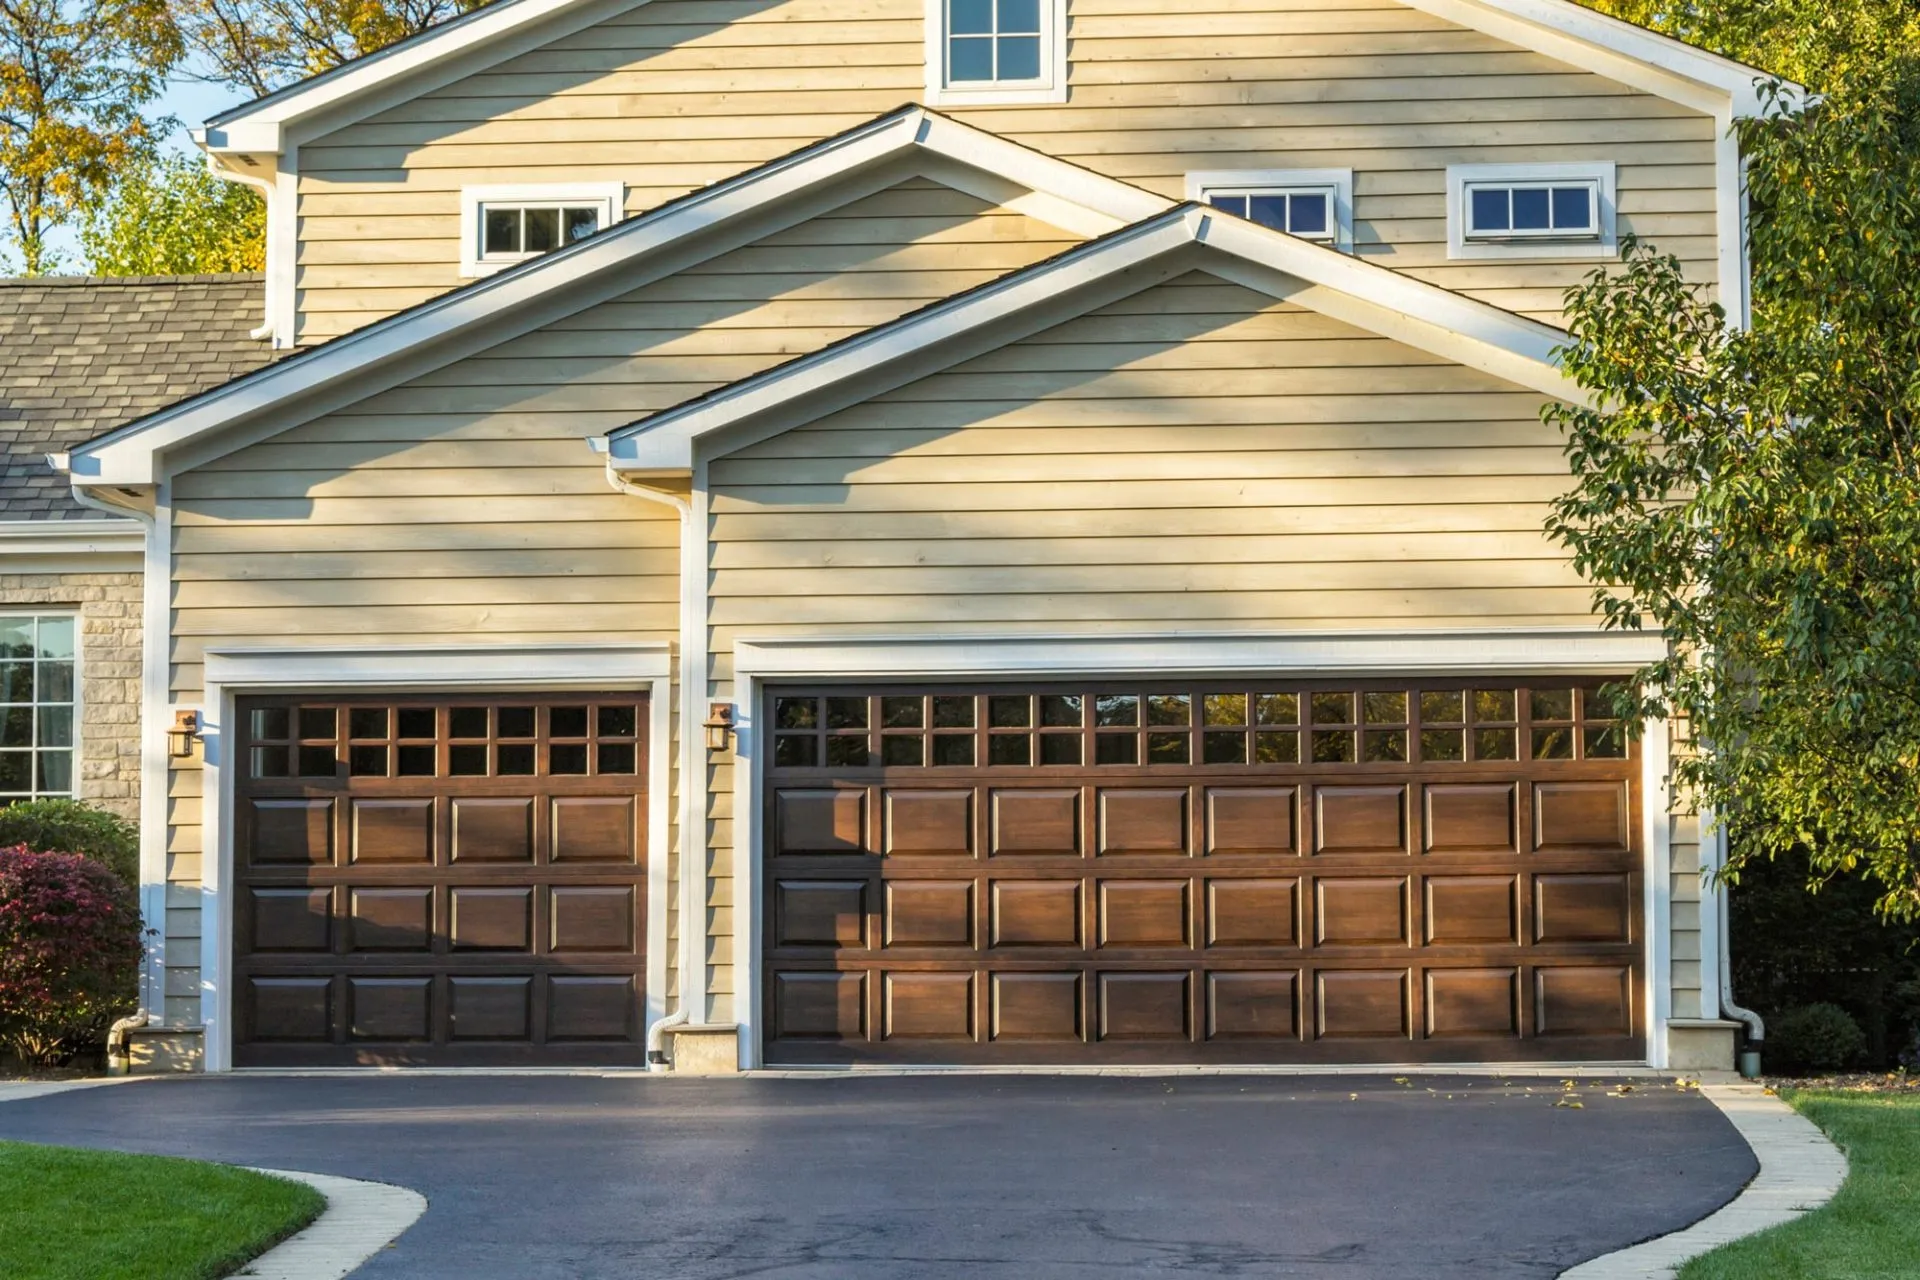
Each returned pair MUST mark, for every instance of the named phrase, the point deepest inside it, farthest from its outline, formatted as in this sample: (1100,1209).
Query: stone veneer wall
(108,772)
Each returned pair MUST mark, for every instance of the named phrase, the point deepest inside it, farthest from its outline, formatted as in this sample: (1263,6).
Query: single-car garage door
(435,880)
(1395,870)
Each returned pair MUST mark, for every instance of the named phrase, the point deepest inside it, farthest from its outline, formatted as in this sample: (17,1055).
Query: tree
(260,45)
(1822,44)
(169,215)
(1756,495)
(74,75)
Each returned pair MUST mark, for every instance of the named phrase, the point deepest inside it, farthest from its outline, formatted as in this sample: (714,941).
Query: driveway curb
(361,1219)
(1800,1170)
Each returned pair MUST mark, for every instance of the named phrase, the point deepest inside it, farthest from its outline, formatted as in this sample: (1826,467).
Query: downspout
(692,959)
(267,190)
(1756,1027)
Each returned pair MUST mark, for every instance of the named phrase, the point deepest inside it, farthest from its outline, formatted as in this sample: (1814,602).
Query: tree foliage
(1755,494)
(70,946)
(259,45)
(74,76)
(170,216)
(60,825)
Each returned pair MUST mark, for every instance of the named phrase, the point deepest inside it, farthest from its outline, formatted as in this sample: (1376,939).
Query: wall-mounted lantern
(719,725)
(186,727)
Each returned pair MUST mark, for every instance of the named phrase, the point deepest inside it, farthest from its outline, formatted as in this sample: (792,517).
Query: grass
(1871,1230)
(67,1214)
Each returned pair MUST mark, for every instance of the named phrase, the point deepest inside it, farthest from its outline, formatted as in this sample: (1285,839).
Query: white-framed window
(1530,210)
(983,52)
(39,704)
(1313,204)
(502,225)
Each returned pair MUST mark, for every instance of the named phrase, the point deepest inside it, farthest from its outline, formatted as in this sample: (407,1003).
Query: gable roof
(82,354)
(627,255)
(1562,29)
(1187,237)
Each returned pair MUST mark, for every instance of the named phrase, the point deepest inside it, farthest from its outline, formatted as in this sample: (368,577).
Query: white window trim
(1051,87)
(609,197)
(1201,183)
(79,693)
(1598,172)
(1554,651)
(231,673)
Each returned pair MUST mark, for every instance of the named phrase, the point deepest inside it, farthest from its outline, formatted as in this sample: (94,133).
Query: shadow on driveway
(995,1177)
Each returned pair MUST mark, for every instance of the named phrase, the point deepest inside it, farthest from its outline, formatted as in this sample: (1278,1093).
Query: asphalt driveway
(996,1177)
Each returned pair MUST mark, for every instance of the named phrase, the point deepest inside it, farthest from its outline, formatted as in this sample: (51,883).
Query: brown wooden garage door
(1403,870)
(429,880)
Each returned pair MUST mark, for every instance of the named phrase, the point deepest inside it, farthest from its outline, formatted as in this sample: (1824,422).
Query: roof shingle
(79,355)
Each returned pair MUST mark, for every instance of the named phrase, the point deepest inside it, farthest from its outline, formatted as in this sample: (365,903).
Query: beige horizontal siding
(676,94)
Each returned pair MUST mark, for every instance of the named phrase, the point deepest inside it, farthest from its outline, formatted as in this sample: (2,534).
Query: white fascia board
(264,126)
(1426,316)
(438,665)
(71,537)
(1646,60)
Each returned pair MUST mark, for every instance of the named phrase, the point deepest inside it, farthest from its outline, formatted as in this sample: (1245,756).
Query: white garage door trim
(1556,651)
(232,673)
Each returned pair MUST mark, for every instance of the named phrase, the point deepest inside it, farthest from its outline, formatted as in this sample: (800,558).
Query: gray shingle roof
(80,355)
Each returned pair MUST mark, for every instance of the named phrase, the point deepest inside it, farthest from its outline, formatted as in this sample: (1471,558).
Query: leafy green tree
(73,826)
(1755,495)
(170,216)
(259,45)
(1822,44)
(74,76)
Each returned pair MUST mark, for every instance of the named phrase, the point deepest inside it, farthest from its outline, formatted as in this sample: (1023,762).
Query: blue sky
(192,102)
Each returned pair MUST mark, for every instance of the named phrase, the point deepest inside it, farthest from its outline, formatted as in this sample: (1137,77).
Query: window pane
(543,230)
(1387,708)
(316,762)
(1530,209)
(367,762)
(1224,747)
(1551,704)
(1385,745)
(795,713)
(1236,205)
(56,637)
(1279,708)
(1307,214)
(1167,748)
(970,17)
(16,637)
(1060,748)
(1493,704)
(503,231)
(612,722)
(16,727)
(1116,748)
(970,59)
(55,727)
(1019,16)
(1443,744)
(953,749)
(16,682)
(1444,706)
(1489,209)
(847,752)
(902,713)
(1606,742)
(902,750)
(468,722)
(1226,708)
(616,757)
(56,682)
(1276,748)
(367,722)
(564,758)
(1333,708)
(1268,211)
(1572,208)
(269,762)
(843,713)
(1553,744)
(1169,708)
(16,771)
(794,751)
(582,223)
(467,762)
(1061,710)
(271,722)
(517,722)
(316,722)
(1019,58)
(1009,748)
(1116,709)
(56,771)
(1333,747)
(953,712)
(415,762)
(1010,711)
(1493,744)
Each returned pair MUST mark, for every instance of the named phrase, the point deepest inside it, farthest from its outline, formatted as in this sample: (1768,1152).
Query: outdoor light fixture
(719,725)
(186,727)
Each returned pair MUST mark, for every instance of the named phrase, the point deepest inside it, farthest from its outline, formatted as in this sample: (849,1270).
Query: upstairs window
(502,225)
(996,51)
(1530,211)
(1313,204)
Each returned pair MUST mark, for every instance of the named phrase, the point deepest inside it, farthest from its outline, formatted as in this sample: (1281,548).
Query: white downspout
(692,912)
(1756,1026)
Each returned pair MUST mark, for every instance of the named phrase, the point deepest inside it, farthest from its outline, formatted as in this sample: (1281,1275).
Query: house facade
(923,531)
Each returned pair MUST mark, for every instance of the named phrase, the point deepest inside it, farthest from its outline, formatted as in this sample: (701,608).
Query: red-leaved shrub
(70,945)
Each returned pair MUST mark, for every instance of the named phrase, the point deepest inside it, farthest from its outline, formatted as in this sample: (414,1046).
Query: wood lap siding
(676,94)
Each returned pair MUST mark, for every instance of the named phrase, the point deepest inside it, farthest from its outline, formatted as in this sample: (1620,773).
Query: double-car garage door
(440,881)
(1394,870)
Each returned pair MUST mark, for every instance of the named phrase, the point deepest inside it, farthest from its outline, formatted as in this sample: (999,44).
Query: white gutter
(1716,841)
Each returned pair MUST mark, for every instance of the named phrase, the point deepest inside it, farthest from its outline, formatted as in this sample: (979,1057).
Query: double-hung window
(996,51)
(502,225)
(1313,204)
(1554,210)
(38,709)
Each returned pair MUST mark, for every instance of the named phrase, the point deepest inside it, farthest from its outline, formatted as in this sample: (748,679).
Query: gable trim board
(232,673)
(762,661)
(692,229)
(1184,238)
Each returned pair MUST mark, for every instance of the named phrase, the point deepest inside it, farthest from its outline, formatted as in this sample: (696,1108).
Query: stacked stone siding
(108,771)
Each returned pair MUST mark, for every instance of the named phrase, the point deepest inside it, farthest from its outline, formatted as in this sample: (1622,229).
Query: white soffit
(624,257)
(1187,237)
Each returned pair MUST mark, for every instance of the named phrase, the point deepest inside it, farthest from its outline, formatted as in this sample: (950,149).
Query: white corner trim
(361,1219)
(233,672)
(1800,1170)
(1050,88)
(609,198)
(1656,881)
(1598,172)
(1424,315)
(758,662)
(1202,183)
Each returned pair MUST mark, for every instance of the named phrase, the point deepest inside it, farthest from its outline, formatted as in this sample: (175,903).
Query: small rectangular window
(995,51)
(509,224)
(1313,204)
(1561,210)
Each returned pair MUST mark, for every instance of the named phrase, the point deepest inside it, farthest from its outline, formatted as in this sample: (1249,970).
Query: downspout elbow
(119,1060)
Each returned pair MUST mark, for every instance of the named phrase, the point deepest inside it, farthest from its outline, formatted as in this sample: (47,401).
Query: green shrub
(72,826)
(1815,1038)
(70,947)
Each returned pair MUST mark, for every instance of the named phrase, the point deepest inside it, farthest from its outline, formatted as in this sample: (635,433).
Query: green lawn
(1871,1230)
(85,1215)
